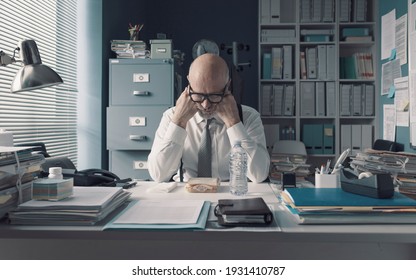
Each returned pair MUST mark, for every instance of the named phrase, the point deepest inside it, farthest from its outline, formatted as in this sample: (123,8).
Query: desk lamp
(34,74)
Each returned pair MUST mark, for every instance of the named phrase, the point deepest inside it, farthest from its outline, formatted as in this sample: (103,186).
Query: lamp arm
(6,60)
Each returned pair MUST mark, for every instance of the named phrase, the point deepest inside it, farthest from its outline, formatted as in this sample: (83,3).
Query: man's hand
(227,110)
(185,109)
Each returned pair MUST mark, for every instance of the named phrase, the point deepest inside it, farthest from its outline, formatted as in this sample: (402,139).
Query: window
(47,115)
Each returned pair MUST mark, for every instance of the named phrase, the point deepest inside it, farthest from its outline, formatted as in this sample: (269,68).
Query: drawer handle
(141,93)
(138,137)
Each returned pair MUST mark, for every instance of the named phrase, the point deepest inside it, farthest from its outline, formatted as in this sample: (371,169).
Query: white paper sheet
(162,212)
(401,39)
(389,71)
(389,122)
(401,101)
(388,33)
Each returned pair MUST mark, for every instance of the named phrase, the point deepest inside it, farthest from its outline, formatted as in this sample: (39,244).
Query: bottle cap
(237,142)
(55,170)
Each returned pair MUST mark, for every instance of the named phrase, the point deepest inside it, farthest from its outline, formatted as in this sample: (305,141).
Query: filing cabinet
(140,91)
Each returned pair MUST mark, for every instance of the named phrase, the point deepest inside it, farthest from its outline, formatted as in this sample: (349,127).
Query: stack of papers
(162,214)
(289,163)
(87,206)
(335,206)
(129,49)
(9,197)
(401,165)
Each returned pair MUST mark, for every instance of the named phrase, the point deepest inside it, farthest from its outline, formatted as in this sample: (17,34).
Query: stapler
(376,186)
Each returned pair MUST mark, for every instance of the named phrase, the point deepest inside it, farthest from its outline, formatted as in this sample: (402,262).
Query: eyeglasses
(211,97)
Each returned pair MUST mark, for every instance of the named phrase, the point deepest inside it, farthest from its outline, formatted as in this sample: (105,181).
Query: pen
(340,160)
(328,163)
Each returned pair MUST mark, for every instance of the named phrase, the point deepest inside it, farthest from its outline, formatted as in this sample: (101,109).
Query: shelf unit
(292,20)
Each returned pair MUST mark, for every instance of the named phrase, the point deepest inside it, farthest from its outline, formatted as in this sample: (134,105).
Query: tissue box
(202,185)
(161,48)
(52,189)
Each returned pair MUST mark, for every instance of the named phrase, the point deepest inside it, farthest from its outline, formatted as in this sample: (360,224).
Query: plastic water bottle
(238,170)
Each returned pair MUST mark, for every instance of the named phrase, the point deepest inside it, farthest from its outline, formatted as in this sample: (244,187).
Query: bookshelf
(324,53)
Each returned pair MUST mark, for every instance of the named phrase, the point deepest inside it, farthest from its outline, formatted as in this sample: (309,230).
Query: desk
(293,242)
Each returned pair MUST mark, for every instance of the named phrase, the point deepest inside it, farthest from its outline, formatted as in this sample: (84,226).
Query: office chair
(289,147)
(386,145)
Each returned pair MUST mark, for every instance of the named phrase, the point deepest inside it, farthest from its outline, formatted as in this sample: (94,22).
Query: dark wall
(185,22)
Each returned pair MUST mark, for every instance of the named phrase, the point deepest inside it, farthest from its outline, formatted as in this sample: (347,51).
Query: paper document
(162,212)
(401,39)
(388,33)
(389,122)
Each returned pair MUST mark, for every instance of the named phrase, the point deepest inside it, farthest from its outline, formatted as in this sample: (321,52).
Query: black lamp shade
(34,74)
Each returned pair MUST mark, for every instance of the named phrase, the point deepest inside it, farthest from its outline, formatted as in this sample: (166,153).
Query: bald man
(178,136)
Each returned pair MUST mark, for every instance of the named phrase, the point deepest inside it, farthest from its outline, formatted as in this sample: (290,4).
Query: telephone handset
(103,174)
(95,177)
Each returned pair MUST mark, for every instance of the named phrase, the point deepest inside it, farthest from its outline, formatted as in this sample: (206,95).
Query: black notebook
(248,211)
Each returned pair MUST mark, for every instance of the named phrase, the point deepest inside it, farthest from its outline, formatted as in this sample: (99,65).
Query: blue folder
(336,197)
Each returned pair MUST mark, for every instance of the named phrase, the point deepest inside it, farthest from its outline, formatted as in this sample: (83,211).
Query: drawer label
(137,121)
(141,78)
(140,165)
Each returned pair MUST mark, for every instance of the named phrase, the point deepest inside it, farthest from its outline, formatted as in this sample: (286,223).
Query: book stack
(356,34)
(129,49)
(357,66)
(87,206)
(335,206)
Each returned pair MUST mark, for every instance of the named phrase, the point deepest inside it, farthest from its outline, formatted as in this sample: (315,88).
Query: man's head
(208,79)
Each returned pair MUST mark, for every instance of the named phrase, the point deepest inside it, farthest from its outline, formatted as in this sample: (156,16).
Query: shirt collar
(200,119)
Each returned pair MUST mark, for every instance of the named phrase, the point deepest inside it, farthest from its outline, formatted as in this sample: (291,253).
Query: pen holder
(327,180)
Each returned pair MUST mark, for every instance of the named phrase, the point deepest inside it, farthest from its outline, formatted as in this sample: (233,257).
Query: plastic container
(55,173)
(238,170)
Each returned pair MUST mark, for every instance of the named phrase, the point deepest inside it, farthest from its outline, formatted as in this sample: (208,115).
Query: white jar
(55,173)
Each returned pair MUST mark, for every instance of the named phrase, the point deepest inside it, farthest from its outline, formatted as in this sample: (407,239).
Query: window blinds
(47,115)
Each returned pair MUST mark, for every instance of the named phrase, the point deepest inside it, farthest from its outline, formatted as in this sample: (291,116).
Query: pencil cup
(327,181)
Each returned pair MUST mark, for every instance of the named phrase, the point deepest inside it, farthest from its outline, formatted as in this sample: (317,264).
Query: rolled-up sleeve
(251,135)
(165,156)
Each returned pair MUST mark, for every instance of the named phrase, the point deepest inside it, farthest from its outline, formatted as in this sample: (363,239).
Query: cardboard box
(161,48)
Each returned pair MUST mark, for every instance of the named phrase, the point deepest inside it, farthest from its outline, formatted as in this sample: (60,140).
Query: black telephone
(95,177)
(86,177)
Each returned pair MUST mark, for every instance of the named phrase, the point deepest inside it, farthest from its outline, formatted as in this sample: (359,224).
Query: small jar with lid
(55,173)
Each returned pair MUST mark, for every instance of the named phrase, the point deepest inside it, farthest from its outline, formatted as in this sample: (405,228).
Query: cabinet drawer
(149,83)
(132,127)
(130,164)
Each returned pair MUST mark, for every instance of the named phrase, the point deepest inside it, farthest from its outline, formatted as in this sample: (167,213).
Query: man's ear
(229,86)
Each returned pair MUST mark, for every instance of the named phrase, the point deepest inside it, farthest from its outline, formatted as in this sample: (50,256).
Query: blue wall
(402,133)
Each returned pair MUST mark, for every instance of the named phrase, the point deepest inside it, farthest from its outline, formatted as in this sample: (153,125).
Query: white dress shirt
(173,143)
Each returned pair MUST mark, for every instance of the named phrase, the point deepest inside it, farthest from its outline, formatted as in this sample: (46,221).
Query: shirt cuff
(237,132)
(175,133)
